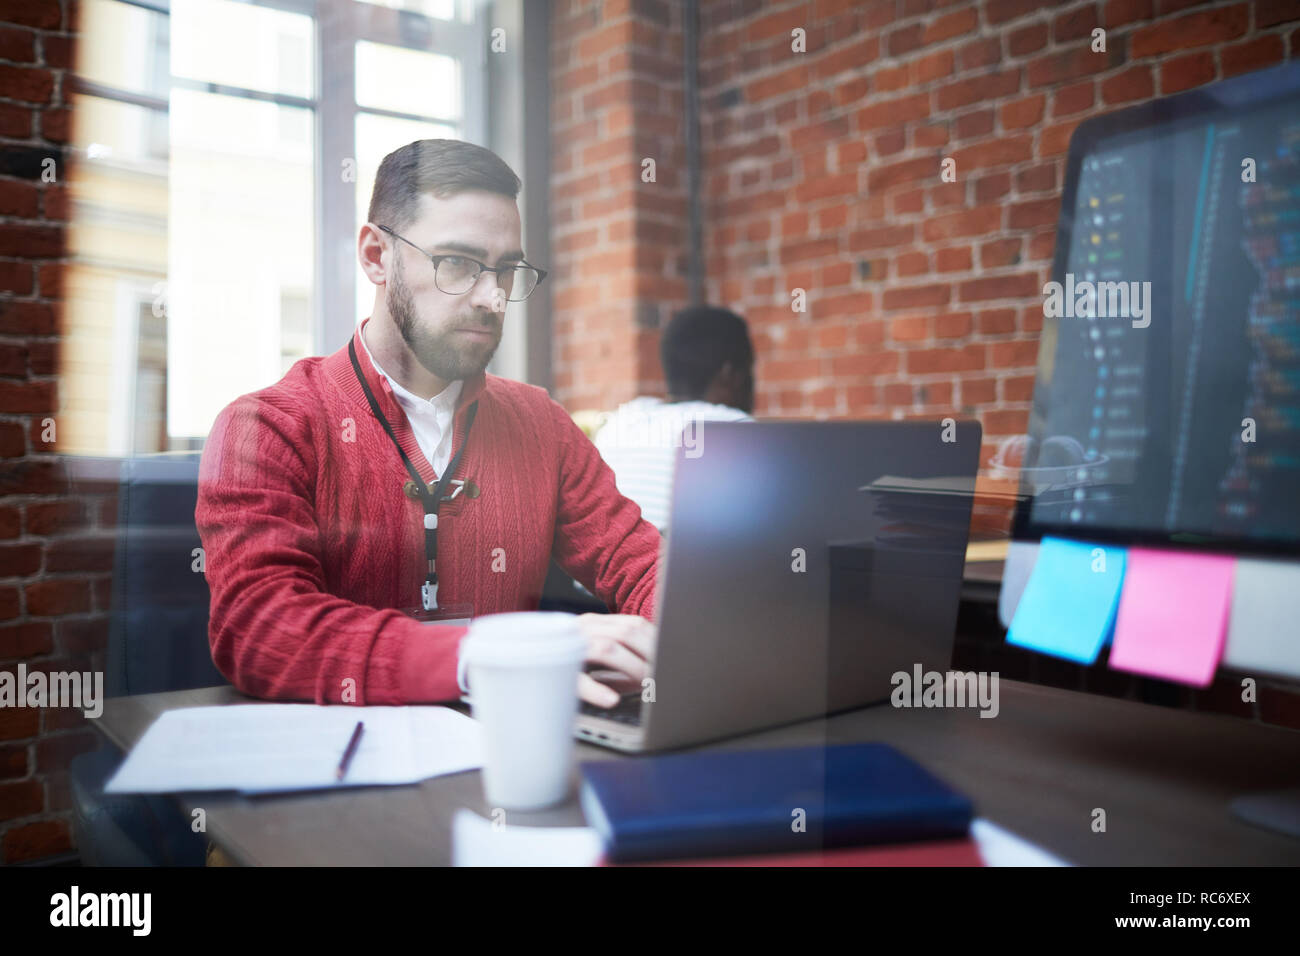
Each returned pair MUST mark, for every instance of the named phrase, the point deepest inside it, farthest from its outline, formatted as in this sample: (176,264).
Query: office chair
(158,641)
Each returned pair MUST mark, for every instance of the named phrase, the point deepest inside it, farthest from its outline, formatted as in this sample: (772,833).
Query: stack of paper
(265,748)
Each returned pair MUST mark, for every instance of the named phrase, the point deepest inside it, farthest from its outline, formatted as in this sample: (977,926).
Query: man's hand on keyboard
(620,642)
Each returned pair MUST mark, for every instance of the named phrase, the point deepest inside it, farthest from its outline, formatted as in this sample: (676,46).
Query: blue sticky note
(1068,608)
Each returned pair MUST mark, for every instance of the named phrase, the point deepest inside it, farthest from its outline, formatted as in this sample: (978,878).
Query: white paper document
(479,842)
(266,748)
(1001,847)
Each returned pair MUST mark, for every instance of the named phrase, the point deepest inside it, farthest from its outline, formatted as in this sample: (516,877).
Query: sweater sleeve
(275,631)
(600,537)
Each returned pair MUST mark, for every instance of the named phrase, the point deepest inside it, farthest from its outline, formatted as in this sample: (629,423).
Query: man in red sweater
(317,534)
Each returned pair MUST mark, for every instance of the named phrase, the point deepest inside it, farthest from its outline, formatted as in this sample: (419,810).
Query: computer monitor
(1166,409)
(1168,391)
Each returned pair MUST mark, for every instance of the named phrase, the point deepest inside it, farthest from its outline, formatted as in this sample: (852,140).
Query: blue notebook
(766,801)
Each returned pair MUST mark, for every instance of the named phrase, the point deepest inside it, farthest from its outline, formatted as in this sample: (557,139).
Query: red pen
(347,754)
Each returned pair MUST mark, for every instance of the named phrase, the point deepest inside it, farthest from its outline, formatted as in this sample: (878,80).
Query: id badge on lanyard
(430,611)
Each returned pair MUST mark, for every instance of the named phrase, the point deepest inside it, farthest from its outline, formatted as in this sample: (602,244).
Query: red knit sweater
(310,544)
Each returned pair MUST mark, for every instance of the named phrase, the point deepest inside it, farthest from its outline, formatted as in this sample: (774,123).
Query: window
(402,95)
(224,156)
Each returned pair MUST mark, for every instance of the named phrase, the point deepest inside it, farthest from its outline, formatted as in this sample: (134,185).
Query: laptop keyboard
(626,711)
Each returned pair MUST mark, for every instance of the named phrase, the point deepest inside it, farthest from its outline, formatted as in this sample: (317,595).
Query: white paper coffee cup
(523,684)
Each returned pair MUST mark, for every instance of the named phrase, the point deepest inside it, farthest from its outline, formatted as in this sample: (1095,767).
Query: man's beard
(438,352)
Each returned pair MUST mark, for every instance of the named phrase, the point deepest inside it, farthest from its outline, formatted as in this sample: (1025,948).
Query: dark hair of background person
(697,345)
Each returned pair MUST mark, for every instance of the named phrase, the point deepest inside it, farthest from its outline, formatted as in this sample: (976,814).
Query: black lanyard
(430,498)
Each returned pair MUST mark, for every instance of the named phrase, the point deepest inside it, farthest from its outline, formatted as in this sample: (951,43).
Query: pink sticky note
(1173,615)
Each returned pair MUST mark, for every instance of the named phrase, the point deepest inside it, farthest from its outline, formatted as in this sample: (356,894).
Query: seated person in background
(309,510)
(708,364)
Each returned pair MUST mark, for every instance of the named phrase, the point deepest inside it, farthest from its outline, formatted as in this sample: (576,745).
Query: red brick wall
(616,248)
(822,172)
(53,575)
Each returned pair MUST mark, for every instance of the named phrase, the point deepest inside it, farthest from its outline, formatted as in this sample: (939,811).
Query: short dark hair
(697,343)
(443,167)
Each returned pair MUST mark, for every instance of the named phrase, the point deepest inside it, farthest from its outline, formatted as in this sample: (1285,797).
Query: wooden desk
(1164,778)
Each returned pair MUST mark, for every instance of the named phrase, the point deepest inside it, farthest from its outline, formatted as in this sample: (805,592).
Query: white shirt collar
(443,401)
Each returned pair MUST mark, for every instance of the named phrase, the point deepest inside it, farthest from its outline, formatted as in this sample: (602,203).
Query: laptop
(804,564)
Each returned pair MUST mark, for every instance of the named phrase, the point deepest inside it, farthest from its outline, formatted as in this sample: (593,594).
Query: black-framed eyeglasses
(456,274)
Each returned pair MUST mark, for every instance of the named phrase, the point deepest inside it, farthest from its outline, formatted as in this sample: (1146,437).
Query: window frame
(338,25)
